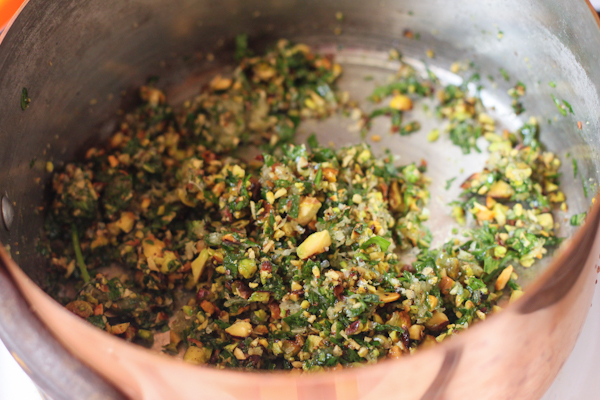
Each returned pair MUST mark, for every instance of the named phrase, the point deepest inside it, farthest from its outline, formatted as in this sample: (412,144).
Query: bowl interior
(82,65)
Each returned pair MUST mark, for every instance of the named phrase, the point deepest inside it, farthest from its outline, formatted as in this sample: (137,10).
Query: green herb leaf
(319,176)
(578,219)
(241,46)
(295,206)
(268,160)
(296,320)
(313,142)
(77,248)
(25,100)
(490,264)
(566,103)
(378,240)
(561,108)
(97,321)
(210,196)
(380,111)
(449,183)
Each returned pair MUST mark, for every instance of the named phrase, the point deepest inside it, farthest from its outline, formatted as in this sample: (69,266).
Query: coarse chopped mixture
(298,258)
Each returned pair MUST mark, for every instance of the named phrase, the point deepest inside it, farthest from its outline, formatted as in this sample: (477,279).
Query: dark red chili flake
(338,290)
(275,310)
(215,356)
(202,293)
(254,360)
(353,328)
(255,189)
(241,289)
(405,338)
(209,156)
(408,267)
(266,266)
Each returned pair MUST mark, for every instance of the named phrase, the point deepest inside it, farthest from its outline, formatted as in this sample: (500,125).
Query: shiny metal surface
(54,370)
(81,63)
(7,211)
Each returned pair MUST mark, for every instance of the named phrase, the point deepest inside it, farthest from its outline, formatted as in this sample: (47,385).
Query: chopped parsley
(25,100)
(294,259)
(578,219)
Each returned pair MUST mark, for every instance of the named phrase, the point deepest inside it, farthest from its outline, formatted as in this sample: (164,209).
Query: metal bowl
(81,63)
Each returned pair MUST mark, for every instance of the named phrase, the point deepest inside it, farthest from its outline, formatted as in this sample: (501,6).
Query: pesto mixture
(302,257)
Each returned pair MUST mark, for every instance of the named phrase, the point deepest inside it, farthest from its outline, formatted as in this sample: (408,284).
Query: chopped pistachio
(277,257)
(314,244)
(197,355)
(240,329)
(433,135)
(247,268)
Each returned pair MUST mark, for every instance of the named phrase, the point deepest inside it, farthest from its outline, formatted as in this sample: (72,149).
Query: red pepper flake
(408,267)
(384,189)
(208,307)
(209,156)
(202,293)
(353,328)
(99,310)
(405,338)
(579,124)
(186,266)
(266,266)
(275,310)
(338,290)
(255,189)
(255,360)
(130,333)
(161,316)
(242,289)
(215,356)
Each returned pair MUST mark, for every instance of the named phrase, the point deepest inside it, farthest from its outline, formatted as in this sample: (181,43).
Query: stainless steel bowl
(81,63)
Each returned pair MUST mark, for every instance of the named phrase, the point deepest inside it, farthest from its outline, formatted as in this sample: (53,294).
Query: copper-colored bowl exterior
(514,355)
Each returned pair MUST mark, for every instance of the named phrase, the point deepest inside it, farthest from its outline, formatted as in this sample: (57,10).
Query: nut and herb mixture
(302,257)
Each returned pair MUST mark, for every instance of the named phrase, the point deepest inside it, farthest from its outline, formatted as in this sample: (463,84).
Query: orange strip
(7,9)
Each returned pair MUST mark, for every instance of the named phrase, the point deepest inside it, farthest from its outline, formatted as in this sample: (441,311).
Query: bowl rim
(560,260)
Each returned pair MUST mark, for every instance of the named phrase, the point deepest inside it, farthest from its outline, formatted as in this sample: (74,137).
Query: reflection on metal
(8,212)
(70,54)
